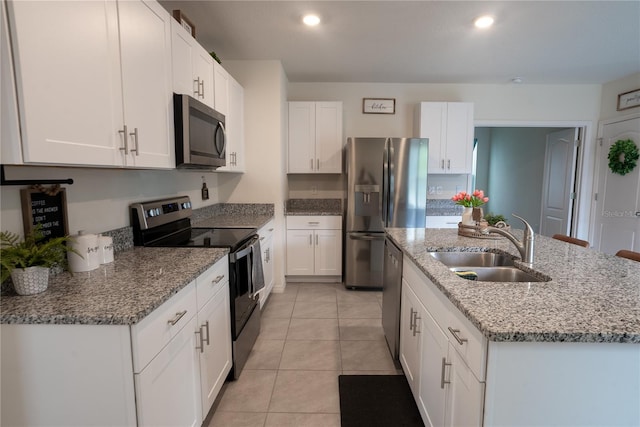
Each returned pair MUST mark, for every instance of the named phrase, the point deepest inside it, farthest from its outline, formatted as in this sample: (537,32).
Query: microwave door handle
(222,149)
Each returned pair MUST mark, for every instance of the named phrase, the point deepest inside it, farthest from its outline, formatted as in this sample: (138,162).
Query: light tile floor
(309,335)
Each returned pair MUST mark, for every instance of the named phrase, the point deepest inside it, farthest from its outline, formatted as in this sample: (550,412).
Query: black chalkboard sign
(50,211)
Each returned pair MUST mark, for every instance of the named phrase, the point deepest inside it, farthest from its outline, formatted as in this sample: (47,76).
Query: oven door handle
(246,250)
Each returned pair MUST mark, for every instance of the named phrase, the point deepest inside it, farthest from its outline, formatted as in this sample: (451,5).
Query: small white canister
(86,245)
(105,249)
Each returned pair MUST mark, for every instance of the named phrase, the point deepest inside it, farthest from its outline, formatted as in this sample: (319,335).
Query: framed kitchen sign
(378,105)
(628,100)
(185,22)
(49,209)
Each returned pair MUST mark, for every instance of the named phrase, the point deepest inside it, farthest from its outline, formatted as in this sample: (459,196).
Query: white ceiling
(552,42)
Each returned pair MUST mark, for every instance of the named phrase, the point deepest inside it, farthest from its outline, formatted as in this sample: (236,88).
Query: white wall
(99,199)
(610,92)
(265,115)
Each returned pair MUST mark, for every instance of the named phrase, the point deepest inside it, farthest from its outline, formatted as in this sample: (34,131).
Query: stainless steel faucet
(526,246)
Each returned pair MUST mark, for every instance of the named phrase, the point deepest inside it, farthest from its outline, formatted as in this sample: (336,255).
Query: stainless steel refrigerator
(386,186)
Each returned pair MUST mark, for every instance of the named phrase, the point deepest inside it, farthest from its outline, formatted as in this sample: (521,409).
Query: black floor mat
(377,401)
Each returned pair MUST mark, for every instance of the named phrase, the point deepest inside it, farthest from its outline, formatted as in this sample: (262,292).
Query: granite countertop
(592,297)
(301,207)
(136,283)
(119,293)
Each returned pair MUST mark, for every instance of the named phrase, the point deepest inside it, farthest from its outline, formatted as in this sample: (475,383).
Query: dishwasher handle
(366,236)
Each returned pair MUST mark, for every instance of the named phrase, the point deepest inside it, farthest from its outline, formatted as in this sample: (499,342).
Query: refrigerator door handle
(385,182)
(366,236)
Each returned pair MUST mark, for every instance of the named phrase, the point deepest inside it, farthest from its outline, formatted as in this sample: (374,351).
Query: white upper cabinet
(221,89)
(315,137)
(449,127)
(234,122)
(192,66)
(84,71)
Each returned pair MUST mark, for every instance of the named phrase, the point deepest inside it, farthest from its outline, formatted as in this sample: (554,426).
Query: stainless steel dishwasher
(391,290)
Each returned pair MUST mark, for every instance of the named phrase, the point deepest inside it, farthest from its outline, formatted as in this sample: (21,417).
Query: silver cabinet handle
(176,318)
(449,164)
(217,279)
(317,164)
(411,318)
(455,332)
(310,239)
(415,323)
(444,366)
(206,325)
(313,222)
(125,138)
(196,91)
(638,214)
(271,229)
(268,254)
(200,339)
(134,134)
(442,163)
(311,164)
(202,90)
(316,240)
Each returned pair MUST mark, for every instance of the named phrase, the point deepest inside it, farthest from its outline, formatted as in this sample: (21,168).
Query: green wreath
(623,156)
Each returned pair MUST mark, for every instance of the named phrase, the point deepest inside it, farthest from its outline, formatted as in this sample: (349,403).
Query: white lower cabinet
(167,390)
(314,246)
(445,388)
(166,369)
(266,247)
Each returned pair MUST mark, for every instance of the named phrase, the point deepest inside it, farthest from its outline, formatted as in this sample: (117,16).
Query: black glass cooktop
(207,237)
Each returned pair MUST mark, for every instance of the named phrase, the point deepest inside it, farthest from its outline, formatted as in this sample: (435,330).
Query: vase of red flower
(472,203)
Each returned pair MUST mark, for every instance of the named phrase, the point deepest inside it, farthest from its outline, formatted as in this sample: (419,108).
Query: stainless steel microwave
(200,134)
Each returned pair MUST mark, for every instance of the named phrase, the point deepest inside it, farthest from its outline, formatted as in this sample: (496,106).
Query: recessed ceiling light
(517,80)
(311,20)
(484,21)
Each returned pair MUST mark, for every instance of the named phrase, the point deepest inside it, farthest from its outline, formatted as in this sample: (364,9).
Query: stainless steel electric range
(167,223)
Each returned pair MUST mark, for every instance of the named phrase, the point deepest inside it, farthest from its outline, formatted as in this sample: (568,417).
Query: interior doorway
(533,171)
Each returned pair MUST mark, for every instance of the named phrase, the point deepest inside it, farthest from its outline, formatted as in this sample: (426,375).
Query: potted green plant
(28,262)
(496,220)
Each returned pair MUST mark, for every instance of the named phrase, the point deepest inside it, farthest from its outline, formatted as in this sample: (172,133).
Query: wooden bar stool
(624,253)
(571,240)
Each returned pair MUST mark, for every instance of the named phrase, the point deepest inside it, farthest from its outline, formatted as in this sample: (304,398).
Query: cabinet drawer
(209,282)
(323,222)
(266,231)
(153,332)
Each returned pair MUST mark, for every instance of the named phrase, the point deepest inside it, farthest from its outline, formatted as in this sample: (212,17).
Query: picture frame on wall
(628,100)
(378,105)
(186,23)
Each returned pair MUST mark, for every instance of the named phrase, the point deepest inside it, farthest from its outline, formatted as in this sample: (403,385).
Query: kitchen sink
(497,274)
(472,259)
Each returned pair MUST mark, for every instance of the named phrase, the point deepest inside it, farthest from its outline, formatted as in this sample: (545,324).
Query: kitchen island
(565,351)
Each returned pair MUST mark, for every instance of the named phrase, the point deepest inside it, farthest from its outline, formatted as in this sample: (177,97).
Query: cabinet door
(410,341)
(433,371)
(234,123)
(329,137)
(328,252)
(145,43)
(300,252)
(203,75)
(267,268)
(465,401)
(432,119)
(459,146)
(168,389)
(182,60)
(302,135)
(214,323)
(68,81)
(220,89)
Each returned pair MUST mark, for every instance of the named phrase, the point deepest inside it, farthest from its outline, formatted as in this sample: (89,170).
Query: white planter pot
(30,280)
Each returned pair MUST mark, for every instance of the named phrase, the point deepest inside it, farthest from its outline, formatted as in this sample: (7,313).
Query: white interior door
(558,184)
(617,207)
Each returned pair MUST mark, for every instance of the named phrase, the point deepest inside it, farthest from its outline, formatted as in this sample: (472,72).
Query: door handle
(134,134)
(410,318)
(206,326)
(415,323)
(176,318)
(311,164)
(455,333)
(217,279)
(125,137)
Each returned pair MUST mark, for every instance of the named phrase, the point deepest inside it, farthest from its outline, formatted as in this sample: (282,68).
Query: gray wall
(511,171)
